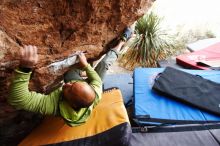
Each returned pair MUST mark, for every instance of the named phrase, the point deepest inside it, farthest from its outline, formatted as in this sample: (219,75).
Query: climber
(75,100)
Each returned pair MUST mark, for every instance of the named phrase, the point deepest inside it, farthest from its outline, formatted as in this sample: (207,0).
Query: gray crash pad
(123,81)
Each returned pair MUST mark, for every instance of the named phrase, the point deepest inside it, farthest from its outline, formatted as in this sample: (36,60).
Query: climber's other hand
(29,57)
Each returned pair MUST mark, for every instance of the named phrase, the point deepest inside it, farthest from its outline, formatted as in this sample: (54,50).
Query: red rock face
(58,28)
(61,27)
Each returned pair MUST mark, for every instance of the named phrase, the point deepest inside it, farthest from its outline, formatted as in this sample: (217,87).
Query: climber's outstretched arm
(20,96)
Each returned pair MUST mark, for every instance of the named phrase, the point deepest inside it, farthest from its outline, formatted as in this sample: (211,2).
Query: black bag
(192,89)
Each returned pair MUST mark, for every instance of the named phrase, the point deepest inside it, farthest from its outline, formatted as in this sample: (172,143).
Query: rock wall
(59,28)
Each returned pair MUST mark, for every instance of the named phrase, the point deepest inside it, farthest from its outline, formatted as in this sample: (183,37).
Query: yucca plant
(149,44)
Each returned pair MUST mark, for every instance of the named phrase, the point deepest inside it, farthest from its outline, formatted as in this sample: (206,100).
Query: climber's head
(79,94)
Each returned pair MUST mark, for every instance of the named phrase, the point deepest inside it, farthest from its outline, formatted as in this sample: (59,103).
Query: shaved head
(79,94)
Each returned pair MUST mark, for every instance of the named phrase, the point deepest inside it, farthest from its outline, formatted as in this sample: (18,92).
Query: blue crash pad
(152,108)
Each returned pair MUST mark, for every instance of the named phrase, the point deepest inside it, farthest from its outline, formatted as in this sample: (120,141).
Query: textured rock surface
(58,28)
(61,27)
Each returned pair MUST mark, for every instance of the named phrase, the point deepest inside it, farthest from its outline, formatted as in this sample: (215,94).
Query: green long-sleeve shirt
(53,104)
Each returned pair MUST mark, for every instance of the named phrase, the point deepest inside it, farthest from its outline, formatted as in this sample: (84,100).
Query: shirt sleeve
(94,81)
(21,98)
